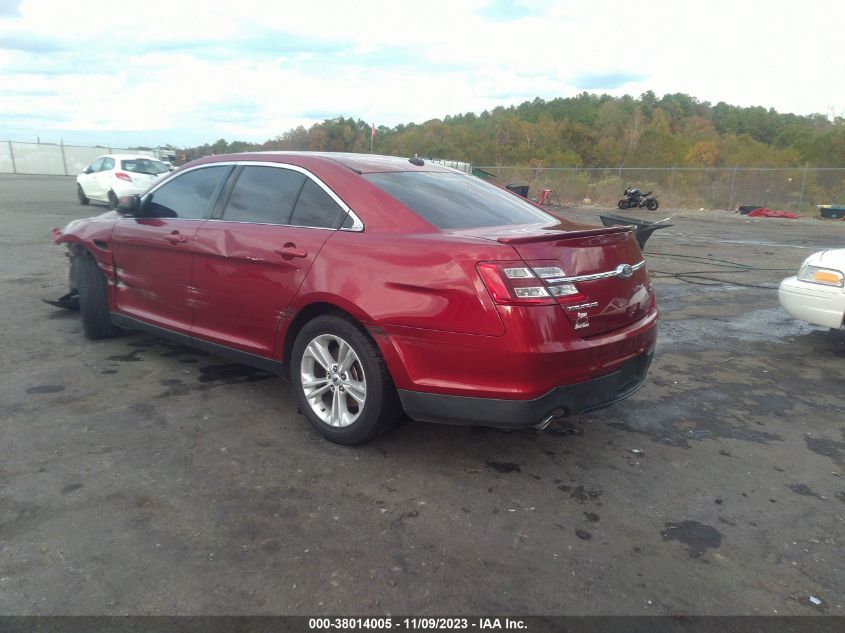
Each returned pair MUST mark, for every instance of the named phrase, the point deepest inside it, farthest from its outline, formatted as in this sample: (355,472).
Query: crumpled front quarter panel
(94,235)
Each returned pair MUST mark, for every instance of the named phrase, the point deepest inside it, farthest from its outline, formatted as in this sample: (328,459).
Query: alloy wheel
(333,380)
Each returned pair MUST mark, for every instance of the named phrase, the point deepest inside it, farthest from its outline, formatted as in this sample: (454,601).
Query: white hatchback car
(114,175)
(817,293)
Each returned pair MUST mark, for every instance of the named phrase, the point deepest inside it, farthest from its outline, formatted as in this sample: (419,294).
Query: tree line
(584,131)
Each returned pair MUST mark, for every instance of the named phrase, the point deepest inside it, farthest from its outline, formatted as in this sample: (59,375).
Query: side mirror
(129,205)
(88,170)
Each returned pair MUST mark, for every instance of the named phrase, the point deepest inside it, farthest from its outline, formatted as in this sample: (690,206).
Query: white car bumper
(811,302)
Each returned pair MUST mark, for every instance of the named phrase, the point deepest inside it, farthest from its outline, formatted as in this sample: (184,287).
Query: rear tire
(623,203)
(83,199)
(351,397)
(113,199)
(93,299)
(652,204)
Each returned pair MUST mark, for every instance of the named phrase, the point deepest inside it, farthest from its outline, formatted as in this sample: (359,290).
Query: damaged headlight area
(824,276)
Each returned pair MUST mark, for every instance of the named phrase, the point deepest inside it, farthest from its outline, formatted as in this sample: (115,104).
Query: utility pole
(733,189)
(64,159)
(803,184)
(672,186)
(12,156)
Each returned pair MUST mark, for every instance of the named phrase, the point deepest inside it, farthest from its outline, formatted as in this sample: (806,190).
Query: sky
(186,72)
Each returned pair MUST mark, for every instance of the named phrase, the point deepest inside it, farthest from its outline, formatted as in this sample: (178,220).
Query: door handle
(289,251)
(176,238)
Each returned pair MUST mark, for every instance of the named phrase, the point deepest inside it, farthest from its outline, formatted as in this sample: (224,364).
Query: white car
(112,176)
(817,293)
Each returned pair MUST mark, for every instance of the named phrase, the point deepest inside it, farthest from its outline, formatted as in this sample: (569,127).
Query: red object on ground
(548,196)
(763,212)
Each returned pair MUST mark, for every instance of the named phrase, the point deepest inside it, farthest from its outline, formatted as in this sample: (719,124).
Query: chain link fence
(797,189)
(794,189)
(52,159)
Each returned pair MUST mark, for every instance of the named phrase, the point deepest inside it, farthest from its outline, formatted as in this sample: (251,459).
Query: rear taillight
(525,283)
(121,176)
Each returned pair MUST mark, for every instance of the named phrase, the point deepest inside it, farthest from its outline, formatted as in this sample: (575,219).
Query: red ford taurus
(378,285)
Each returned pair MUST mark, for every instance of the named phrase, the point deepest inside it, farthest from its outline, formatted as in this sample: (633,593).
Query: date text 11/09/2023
(416,624)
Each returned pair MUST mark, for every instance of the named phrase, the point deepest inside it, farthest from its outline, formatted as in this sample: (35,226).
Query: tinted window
(264,194)
(316,208)
(108,163)
(143,166)
(455,201)
(186,196)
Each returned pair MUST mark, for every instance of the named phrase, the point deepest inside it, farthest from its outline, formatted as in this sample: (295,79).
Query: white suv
(114,175)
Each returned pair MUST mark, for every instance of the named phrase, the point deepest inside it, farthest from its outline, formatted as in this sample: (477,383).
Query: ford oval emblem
(624,271)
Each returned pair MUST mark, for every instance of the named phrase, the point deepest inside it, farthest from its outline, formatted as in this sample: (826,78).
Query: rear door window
(189,195)
(264,195)
(317,208)
(143,166)
(456,201)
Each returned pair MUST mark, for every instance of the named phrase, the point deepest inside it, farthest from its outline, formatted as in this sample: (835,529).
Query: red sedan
(377,285)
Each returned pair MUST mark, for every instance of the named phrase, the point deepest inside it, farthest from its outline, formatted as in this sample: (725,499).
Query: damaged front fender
(85,237)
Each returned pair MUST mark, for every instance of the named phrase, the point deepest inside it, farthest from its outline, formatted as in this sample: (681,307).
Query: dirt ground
(140,477)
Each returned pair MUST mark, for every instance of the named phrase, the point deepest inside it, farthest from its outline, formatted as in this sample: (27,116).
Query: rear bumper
(561,401)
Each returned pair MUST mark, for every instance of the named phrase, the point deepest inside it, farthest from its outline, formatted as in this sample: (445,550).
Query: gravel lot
(141,477)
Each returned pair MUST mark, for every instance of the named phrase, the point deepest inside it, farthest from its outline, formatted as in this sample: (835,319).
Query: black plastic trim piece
(253,360)
(561,401)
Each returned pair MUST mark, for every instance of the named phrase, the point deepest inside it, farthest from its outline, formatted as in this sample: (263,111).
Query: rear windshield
(457,201)
(143,166)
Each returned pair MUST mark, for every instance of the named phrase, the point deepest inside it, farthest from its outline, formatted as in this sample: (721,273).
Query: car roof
(128,156)
(361,163)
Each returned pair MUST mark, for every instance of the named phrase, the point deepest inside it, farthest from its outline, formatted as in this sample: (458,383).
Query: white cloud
(193,71)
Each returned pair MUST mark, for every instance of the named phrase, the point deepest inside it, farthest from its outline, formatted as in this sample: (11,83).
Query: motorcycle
(636,199)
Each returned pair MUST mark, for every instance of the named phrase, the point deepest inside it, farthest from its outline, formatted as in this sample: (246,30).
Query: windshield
(458,201)
(144,166)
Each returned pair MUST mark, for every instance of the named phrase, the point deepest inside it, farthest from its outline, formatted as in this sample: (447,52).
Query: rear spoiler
(565,235)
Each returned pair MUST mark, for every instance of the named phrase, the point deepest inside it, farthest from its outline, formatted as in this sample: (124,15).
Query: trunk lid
(603,303)
(141,179)
(141,170)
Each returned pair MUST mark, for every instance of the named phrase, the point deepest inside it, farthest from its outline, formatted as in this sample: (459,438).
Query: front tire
(341,381)
(623,203)
(93,299)
(83,199)
(652,204)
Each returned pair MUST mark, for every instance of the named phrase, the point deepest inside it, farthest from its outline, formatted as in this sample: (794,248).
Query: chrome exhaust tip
(558,414)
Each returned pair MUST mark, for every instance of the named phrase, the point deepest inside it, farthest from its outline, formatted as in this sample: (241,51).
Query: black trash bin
(833,212)
(522,190)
